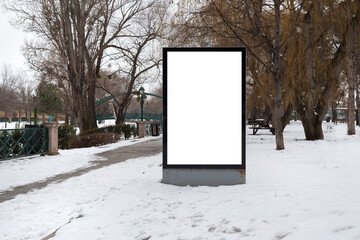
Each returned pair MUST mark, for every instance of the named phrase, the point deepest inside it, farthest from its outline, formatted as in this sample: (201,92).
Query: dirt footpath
(143,149)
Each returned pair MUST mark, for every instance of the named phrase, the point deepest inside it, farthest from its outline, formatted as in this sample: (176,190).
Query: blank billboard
(204,108)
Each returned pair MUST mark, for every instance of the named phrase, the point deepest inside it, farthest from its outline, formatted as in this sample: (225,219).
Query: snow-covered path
(22,171)
(141,149)
(311,190)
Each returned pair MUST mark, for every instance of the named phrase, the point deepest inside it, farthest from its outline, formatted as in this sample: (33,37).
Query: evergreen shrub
(66,134)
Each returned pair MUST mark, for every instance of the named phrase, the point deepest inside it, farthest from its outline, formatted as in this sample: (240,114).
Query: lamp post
(142,91)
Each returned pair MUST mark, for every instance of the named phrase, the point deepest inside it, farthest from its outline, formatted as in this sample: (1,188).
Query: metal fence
(16,143)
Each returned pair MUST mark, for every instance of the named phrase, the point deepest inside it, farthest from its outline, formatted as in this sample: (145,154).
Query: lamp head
(141,90)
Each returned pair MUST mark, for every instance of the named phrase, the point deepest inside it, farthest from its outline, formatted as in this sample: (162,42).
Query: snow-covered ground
(35,168)
(309,191)
(12,125)
(106,123)
(21,171)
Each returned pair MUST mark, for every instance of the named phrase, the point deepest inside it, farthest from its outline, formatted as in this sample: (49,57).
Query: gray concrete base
(203,177)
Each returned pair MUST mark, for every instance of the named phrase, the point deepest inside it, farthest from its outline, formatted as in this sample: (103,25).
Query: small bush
(11,144)
(66,133)
(126,130)
(133,130)
(95,139)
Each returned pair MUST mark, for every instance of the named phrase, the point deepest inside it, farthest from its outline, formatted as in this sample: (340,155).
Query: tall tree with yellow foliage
(259,26)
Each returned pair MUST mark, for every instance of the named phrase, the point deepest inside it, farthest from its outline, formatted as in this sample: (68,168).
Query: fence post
(5,144)
(141,128)
(53,137)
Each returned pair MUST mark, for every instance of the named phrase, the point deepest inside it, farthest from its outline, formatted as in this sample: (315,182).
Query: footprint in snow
(284,215)
(343,228)
(197,215)
(251,229)
(227,230)
(236,229)
(337,212)
(211,229)
(282,234)
(143,236)
(225,221)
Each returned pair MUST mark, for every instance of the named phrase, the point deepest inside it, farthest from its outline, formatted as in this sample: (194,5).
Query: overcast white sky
(10,44)
(11,41)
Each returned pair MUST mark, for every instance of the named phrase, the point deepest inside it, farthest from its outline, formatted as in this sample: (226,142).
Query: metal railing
(16,143)
(15,119)
(130,116)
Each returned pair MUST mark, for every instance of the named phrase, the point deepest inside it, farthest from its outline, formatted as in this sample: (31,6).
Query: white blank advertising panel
(204,106)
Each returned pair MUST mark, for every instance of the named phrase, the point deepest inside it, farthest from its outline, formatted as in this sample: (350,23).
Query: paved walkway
(143,149)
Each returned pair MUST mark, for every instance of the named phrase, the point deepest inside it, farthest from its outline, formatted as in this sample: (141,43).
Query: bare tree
(8,90)
(353,30)
(8,87)
(27,101)
(138,55)
(79,33)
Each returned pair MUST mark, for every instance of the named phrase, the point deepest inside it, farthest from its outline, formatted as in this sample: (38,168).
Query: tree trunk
(90,111)
(334,113)
(267,114)
(357,85)
(277,82)
(81,72)
(351,107)
(120,118)
(67,117)
(72,119)
(312,109)
(351,77)
(311,121)
(287,116)
(313,129)
(357,106)
(86,116)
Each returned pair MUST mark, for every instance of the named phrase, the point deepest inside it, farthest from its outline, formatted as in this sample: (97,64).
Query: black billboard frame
(241,166)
